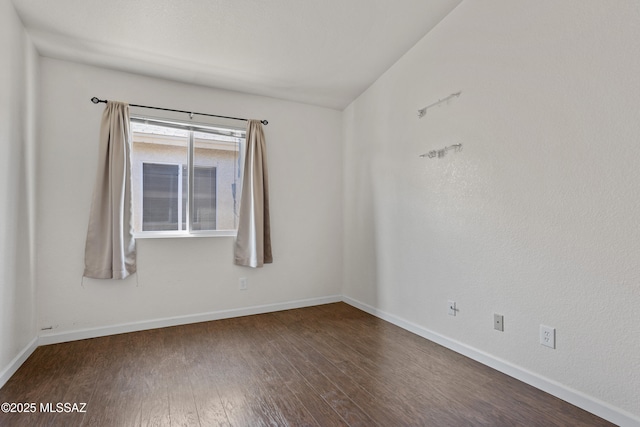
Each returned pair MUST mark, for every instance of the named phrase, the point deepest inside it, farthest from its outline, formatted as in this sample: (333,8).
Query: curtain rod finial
(96,100)
(264,122)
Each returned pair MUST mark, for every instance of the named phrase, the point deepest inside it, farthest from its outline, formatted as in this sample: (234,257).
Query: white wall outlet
(498,322)
(452,308)
(548,336)
(243,284)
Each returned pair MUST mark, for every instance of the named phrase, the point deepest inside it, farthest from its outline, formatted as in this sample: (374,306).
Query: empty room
(353,212)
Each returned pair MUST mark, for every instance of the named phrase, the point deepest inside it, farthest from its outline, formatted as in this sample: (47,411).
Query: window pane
(159,181)
(204,198)
(185,196)
(215,176)
(160,197)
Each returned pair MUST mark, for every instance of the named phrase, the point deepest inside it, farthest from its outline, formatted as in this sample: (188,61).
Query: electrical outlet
(498,322)
(452,308)
(548,336)
(243,284)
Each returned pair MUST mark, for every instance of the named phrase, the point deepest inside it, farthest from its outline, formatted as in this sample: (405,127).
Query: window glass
(185,177)
(204,198)
(162,195)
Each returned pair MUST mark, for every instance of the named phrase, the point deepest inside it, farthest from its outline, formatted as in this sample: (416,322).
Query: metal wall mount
(443,151)
(423,111)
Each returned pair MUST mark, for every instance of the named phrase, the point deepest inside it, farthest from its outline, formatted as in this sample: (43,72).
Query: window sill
(183,234)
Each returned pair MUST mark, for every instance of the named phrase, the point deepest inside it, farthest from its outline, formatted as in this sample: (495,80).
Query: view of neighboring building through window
(185,177)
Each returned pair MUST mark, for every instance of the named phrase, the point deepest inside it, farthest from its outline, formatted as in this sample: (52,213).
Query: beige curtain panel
(253,243)
(110,250)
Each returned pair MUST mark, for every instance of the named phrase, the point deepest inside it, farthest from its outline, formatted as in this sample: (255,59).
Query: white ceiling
(322,52)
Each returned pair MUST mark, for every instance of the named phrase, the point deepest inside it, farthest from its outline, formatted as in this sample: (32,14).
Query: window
(185,178)
(164,197)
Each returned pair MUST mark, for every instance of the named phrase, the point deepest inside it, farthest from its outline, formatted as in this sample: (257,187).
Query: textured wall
(182,276)
(537,218)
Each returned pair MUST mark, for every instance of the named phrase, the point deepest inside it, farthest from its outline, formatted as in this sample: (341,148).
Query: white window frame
(192,128)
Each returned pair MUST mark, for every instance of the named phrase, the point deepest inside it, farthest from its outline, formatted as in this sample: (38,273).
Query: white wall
(18,69)
(537,218)
(182,276)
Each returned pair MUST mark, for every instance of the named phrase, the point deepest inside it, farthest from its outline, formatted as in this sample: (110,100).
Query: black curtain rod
(95,100)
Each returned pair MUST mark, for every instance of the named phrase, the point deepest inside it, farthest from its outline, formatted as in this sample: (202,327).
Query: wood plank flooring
(330,365)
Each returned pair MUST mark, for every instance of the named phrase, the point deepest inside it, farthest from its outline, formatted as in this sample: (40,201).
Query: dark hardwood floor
(331,365)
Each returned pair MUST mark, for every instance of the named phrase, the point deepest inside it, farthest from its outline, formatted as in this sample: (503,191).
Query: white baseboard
(574,397)
(82,334)
(18,361)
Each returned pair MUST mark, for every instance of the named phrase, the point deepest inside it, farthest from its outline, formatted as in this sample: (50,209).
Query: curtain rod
(96,100)
(423,111)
